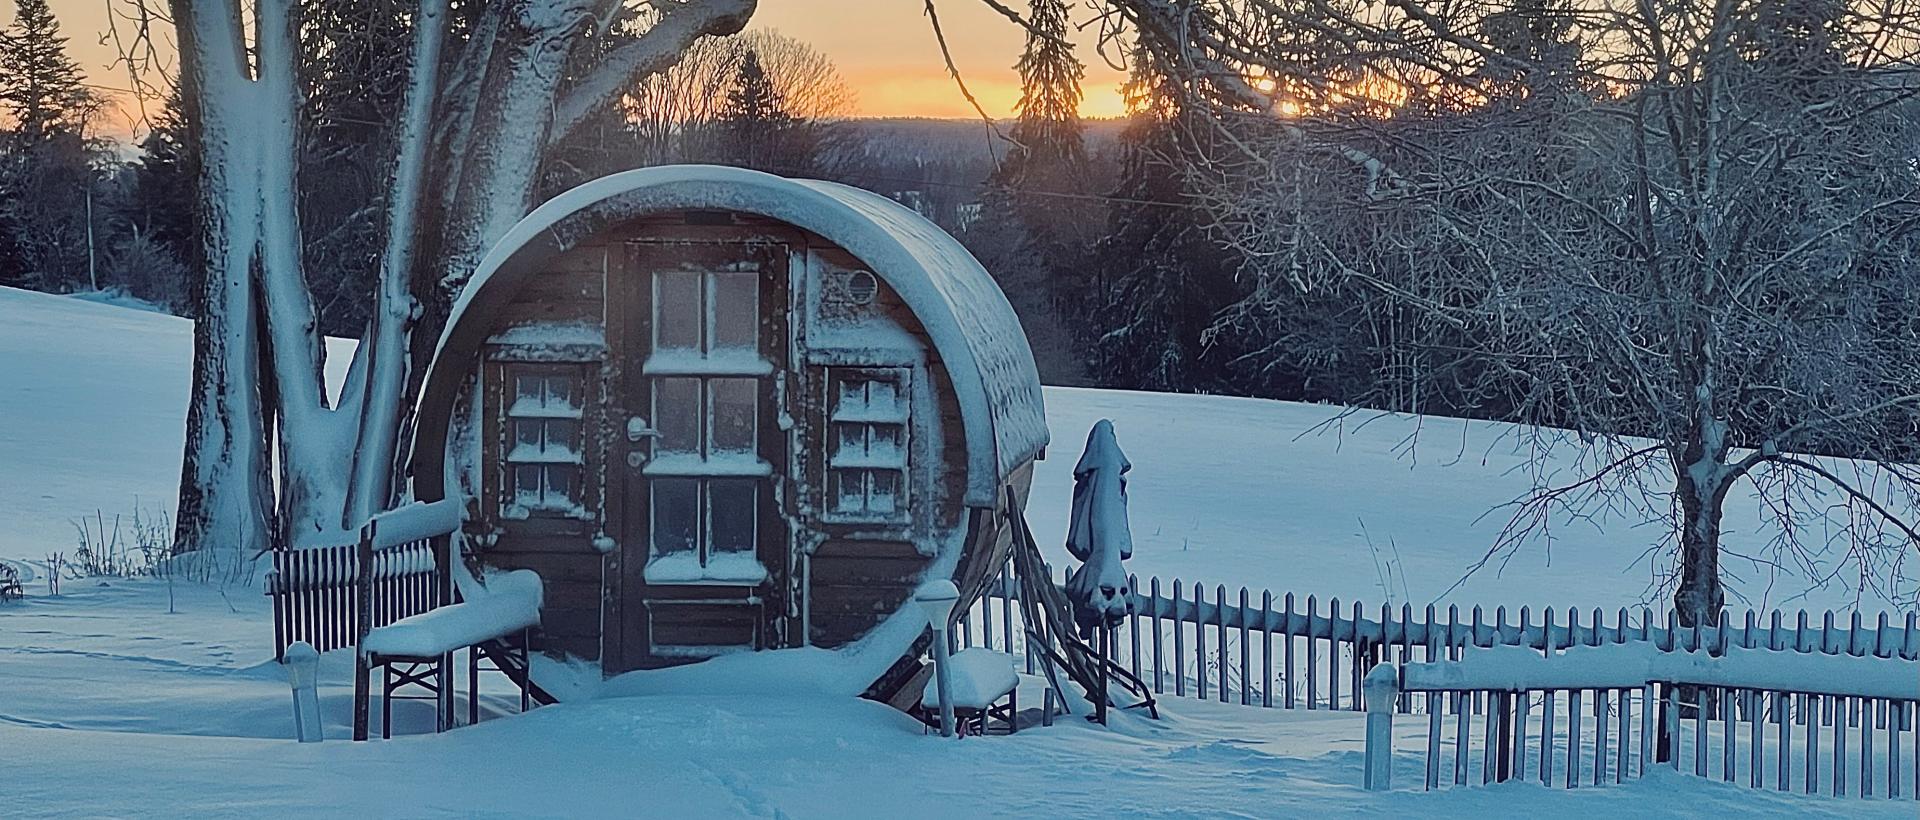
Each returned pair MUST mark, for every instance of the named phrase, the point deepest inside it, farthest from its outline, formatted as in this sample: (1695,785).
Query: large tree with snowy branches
(489,90)
(1678,237)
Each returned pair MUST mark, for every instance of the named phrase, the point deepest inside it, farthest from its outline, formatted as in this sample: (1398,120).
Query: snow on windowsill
(877,459)
(725,362)
(529,408)
(524,453)
(734,464)
(723,568)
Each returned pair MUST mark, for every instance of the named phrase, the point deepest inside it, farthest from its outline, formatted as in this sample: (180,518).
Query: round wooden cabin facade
(719,410)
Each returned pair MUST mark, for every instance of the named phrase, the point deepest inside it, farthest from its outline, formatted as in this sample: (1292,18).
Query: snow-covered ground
(140,697)
(117,701)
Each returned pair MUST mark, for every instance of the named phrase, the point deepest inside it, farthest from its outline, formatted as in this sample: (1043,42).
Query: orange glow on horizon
(917,94)
(884,48)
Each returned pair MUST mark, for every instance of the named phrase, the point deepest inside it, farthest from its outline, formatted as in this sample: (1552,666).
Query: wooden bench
(395,574)
(981,679)
(10,589)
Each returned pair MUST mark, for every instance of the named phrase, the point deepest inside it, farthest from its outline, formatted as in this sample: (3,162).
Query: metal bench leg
(386,701)
(1013,710)
(473,685)
(526,665)
(443,693)
(361,695)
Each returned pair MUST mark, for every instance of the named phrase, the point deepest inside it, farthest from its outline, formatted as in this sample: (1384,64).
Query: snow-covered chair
(390,595)
(981,679)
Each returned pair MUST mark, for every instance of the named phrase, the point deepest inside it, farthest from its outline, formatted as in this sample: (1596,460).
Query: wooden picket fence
(1193,639)
(1666,721)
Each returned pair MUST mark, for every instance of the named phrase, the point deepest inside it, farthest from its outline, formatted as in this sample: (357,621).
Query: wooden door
(704,545)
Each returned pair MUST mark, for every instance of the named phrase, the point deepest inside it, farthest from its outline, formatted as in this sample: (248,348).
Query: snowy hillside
(1269,494)
(93,405)
(179,676)
(1223,490)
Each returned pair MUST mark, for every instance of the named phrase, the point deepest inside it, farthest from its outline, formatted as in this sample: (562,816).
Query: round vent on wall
(852,287)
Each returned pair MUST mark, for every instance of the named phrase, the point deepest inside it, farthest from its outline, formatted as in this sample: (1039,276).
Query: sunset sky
(884,48)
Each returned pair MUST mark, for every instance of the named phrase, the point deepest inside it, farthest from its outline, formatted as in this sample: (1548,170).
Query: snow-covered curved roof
(963,310)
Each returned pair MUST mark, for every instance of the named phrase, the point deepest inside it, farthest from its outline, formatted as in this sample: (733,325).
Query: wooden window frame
(504,423)
(902,377)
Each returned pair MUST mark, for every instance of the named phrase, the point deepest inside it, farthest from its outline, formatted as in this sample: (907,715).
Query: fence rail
(1643,721)
(1256,648)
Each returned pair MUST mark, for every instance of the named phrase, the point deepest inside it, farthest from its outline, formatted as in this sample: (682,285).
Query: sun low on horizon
(885,49)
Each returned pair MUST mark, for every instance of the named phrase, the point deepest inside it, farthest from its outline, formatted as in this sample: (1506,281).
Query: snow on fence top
(969,319)
(1450,627)
(1631,665)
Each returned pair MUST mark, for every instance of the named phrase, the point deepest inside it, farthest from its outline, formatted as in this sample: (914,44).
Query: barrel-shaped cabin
(720,411)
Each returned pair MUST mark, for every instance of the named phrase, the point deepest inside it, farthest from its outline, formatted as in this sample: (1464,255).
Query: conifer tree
(47,174)
(1037,220)
(1161,279)
(40,86)
(1048,152)
(758,129)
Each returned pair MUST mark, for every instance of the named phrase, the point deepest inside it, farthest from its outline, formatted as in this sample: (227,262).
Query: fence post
(1382,687)
(363,618)
(303,663)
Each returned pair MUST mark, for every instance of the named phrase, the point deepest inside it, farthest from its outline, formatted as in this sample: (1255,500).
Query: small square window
(866,460)
(543,437)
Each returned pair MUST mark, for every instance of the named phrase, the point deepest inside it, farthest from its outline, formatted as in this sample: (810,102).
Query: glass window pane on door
(676,516)
(707,411)
(733,511)
(736,310)
(735,407)
(677,310)
(676,414)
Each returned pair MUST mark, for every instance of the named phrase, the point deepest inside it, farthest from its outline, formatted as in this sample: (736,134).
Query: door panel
(703,457)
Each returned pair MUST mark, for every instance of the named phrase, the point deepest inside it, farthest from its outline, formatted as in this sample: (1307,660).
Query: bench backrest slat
(318,592)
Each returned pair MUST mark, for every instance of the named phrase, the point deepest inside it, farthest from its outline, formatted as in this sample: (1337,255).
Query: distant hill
(940,166)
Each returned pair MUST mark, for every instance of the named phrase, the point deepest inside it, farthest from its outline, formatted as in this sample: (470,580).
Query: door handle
(638,429)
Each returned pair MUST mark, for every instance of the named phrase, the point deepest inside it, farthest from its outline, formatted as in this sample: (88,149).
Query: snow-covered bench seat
(510,604)
(980,679)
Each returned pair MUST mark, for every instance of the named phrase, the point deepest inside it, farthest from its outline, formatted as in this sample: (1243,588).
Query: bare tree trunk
(1701,489)
(226,502)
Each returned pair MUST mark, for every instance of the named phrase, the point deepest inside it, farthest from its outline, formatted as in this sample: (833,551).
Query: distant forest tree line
(1106,234)
(1678,237)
